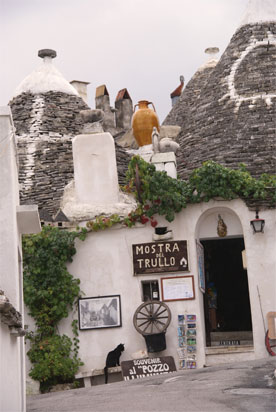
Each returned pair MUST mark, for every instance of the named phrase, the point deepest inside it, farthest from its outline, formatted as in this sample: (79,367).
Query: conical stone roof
(180,111)
(231,119)
(46,114)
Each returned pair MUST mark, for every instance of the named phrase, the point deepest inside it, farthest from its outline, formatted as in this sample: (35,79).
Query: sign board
(140,368)
(200,266)
(178,288)
(160,257)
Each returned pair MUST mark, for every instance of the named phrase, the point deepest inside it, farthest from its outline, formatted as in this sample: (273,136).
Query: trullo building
(226,113)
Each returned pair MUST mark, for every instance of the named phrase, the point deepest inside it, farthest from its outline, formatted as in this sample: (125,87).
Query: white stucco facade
(104,265)
(12,348)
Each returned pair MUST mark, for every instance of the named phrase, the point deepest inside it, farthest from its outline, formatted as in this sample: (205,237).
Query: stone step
(228,354)
(223,350)
(233,335)
(231,342)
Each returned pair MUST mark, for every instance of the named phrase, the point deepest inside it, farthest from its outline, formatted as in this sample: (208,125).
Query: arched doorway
(226,300)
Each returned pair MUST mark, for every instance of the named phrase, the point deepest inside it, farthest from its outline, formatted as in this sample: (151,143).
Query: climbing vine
(159,194)
(50,292)
(162,195)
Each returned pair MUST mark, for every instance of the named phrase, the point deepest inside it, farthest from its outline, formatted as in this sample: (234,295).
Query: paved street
(239,387)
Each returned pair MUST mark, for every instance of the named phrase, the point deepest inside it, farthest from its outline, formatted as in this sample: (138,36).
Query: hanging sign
(200,265)
(160,257)
(140,368)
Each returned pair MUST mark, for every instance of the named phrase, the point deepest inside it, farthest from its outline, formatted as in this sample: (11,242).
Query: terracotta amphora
(143,122)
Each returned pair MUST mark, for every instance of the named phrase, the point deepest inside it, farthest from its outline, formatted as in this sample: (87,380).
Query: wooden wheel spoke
(143,323)
(160,313)
(145,317)
(162,323)
(147,310)
(146,327)
(157,327)
(157,309)
(142,313)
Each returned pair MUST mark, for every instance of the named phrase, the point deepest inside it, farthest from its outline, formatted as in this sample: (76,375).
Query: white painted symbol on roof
(232,91)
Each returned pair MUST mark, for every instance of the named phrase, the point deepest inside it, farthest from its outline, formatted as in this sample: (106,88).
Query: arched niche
(207,223)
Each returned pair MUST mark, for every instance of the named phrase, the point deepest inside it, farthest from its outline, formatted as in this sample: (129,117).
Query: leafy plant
(158,193)
(50,292)
(52,360)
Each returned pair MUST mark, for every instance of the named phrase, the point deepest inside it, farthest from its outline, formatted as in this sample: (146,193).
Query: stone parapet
(165,162)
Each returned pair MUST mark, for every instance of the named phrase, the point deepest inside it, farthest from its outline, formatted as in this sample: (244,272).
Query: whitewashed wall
(12,369)
(15,220)
(104,264)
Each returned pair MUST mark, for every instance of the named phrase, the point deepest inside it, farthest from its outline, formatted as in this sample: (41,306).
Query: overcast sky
(143,45)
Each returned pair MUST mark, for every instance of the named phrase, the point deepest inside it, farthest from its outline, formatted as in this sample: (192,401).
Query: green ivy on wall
(50,292)
(160,194)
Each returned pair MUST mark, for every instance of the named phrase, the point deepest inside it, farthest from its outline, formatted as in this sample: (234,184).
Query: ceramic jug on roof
(143,122)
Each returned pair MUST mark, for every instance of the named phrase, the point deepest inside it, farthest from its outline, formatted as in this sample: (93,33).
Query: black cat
(113,359)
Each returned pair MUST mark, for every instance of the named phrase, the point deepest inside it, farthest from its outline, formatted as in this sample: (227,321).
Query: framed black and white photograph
(100,312)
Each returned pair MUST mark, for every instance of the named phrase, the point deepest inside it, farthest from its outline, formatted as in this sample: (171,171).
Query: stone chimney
(177,92)
(103,103)
(124,110)
(47,54)
(212,53)
(81,88)
(95,168)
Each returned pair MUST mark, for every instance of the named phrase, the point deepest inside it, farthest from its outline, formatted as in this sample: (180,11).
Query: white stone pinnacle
(259,11)
(44,79)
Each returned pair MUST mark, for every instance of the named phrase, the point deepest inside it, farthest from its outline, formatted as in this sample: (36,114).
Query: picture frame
(178,288)
(191,332)
(191,318)
(191,340)
(181,341)
(100,312)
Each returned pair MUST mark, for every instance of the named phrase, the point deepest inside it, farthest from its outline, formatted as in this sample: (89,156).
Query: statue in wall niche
(93,120)
(162,145)
(155,140)
(221,228)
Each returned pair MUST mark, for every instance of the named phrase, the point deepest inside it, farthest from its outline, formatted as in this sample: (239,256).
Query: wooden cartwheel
(152,317)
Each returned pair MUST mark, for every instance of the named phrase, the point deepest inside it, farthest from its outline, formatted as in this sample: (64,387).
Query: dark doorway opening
(226,301)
